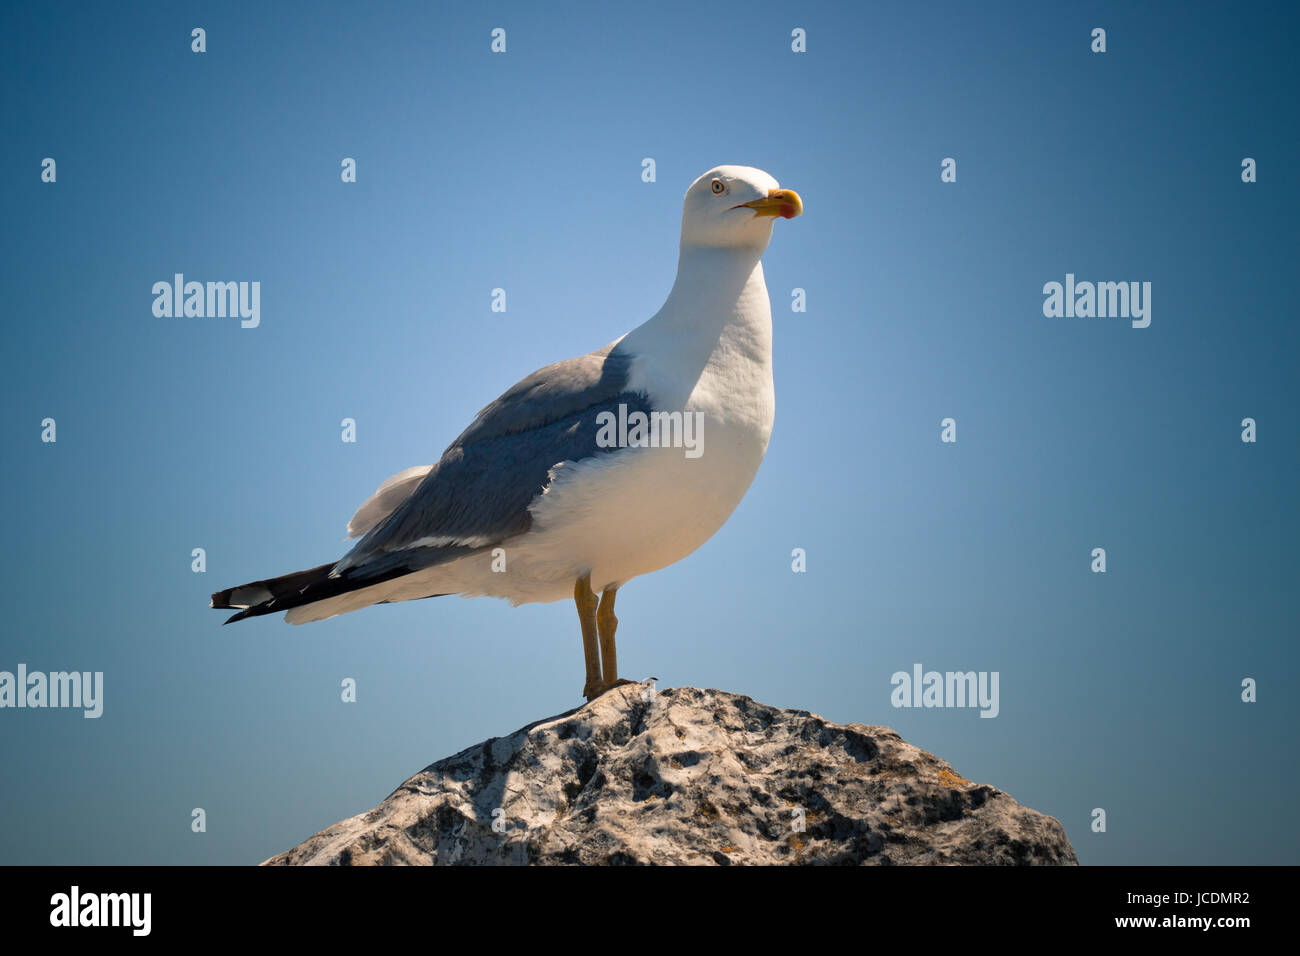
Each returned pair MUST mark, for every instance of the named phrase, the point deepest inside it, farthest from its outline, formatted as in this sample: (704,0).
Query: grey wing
(479,493)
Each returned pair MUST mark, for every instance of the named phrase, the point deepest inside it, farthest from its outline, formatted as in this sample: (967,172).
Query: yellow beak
(779,202)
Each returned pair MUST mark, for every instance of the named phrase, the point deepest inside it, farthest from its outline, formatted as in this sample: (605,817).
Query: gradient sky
(523,171)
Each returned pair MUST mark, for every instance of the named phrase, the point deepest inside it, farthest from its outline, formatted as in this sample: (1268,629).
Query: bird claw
(591,692)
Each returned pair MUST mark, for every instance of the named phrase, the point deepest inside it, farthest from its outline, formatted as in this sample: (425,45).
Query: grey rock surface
(689,776)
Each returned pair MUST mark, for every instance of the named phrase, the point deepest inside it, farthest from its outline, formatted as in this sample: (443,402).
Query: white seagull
(590,471)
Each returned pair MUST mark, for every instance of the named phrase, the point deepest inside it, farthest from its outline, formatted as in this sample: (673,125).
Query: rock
(690,776)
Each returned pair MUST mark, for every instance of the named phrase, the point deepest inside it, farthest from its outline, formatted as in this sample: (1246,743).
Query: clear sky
(522,170)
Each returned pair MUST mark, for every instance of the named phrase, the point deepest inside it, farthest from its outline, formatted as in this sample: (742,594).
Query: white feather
(385,499)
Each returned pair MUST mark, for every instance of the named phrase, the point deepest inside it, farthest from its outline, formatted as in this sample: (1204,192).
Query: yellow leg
(585,598)
(607,624)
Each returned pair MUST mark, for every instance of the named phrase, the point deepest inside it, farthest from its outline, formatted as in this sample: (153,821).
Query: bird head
(735,206)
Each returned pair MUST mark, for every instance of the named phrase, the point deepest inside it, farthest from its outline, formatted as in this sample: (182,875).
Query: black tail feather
(294,590)
(274,587)
(315,584)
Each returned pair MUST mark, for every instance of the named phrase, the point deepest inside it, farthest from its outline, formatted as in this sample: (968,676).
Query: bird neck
(715,287)
(717,317)
(716,321)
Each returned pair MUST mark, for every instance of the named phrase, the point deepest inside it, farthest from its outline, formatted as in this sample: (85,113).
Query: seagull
(591,471)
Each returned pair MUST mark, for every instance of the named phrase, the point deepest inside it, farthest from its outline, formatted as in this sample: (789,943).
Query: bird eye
(718,187)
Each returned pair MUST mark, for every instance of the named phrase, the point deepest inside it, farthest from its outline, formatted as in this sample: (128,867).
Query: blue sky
(522,171)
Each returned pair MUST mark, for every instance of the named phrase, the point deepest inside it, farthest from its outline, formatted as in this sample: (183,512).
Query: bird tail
(293,590)
(322,583)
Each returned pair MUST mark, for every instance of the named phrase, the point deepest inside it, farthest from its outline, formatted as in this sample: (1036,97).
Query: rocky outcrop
(690,776)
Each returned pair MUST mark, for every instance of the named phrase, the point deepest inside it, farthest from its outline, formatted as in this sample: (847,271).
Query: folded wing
(480,491)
